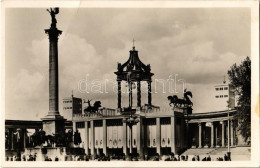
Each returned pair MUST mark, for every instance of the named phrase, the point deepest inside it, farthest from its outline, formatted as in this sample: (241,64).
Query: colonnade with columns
(212,134)
(141,141)
(15,139)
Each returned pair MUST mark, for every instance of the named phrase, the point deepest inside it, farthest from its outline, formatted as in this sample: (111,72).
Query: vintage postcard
(130,84)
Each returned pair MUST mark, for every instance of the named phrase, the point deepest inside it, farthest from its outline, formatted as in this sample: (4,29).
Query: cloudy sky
(199,45)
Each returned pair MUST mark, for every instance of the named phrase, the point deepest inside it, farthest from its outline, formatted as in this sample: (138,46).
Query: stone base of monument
(53,124)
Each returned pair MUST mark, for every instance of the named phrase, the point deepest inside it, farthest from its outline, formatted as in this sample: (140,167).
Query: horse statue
(94,108)
(185,102)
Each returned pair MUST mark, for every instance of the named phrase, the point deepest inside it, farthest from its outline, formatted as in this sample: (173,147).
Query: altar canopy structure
(134,71)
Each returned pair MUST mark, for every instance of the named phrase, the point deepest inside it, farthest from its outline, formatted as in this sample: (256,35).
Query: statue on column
(53,12)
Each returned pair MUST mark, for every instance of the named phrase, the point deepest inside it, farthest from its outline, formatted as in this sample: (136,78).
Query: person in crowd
(209,158)
(198,158)
(225,157)
(186,157)
(193,158)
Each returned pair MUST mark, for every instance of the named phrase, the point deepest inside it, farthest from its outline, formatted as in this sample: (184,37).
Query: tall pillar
(223,134)
(87,138)
(187,134)
(140,138)
(74,126)
(53,123)
(118,94)
(125,139)
(138,94)
(200,133)
(216,135)
(149,93)
(173,149)
(105,136)
(24,137)
(212,135)
(92,142)
(158,136)
(12,139)
(232,133)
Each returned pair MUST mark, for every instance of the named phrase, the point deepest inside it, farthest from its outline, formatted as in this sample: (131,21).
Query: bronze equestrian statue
(94,108)
(185,102)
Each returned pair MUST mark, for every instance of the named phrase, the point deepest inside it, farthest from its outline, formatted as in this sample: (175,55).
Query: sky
(197,45)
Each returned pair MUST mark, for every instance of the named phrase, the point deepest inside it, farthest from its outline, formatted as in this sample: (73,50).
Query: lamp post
(131,120)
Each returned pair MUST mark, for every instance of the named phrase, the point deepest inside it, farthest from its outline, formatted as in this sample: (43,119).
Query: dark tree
(240,78)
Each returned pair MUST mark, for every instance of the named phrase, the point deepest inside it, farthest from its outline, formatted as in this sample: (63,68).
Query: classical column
(216,135)
(125,139)
(200,138)
(138,94)
(173,135)
(12,139)
(158,136)
(187,134)
(92,142)
(212,135)
(24,137)
(140,138)
(53,122)
(87,138)
(105,136)
(74,126)
(223,134)
(118,94)
(149,93)
(53,34)
(231,133)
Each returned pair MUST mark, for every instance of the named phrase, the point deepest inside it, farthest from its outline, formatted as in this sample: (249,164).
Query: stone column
(173,149)
(125,139)
(223,134)
(158,136)
(92,134)
(138,94)
(149,93)
(119,94)
(212,135)
(200,138)
(12,139)
(105,136)
(53,33)
(24,137)
(216,135)
(74,126)
(231,133)
(140,138)
(87,139)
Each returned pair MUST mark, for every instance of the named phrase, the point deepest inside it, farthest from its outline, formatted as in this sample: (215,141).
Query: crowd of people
(103,157)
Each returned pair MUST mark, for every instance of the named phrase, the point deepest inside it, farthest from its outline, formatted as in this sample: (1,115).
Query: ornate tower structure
(53,123)
(134,71)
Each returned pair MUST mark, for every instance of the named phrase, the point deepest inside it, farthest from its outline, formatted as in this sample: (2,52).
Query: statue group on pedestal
(185,102)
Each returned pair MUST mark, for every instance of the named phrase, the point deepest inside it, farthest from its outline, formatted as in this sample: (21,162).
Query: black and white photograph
(130,84)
